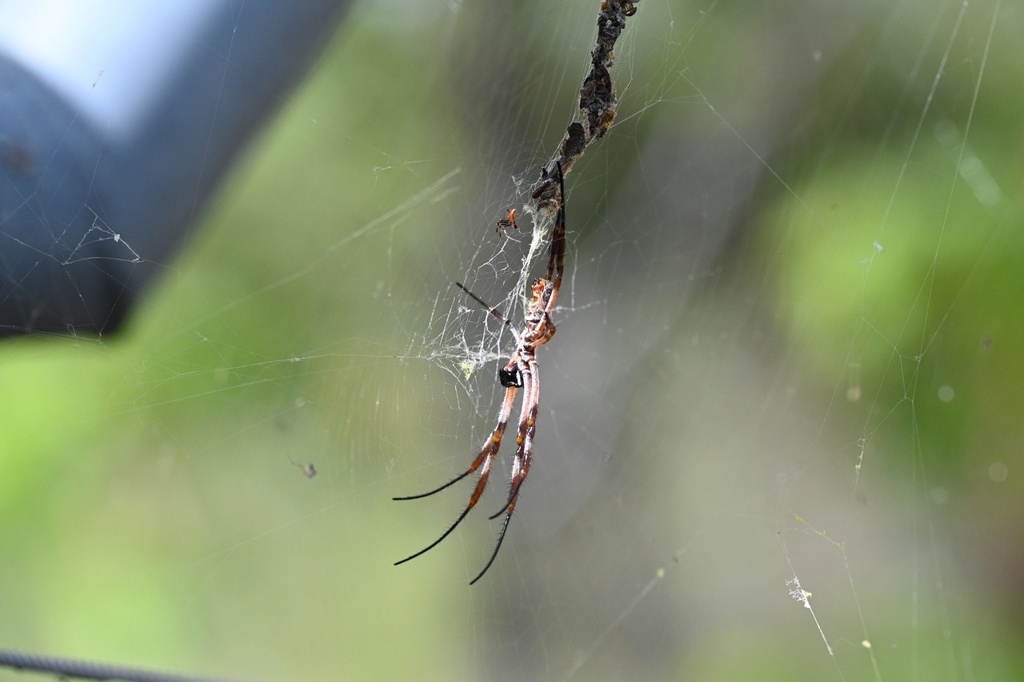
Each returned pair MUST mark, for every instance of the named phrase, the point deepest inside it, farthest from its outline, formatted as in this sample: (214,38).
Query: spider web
(776,432)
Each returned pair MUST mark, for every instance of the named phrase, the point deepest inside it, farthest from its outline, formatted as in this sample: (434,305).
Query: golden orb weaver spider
(521,371)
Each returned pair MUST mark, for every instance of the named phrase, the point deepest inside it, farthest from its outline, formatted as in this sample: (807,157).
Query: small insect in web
(507,223)
(520,372)
(308,469)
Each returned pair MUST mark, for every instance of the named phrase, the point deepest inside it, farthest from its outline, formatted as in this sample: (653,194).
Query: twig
(598,102)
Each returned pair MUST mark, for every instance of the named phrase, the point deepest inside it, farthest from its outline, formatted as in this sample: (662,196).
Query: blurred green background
(790,345)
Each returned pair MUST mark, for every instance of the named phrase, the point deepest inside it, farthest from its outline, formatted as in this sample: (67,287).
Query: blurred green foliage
(152,504)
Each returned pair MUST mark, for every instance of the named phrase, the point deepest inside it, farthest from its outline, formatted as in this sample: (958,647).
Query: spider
(508,222)
(521,371)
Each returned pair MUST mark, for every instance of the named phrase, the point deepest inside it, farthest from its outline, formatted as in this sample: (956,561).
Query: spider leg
(524,439)
(483,462)
(494,554)
(490,309)
(549,331)
(473,467)
(524,453)
(493,311)
(556,262)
